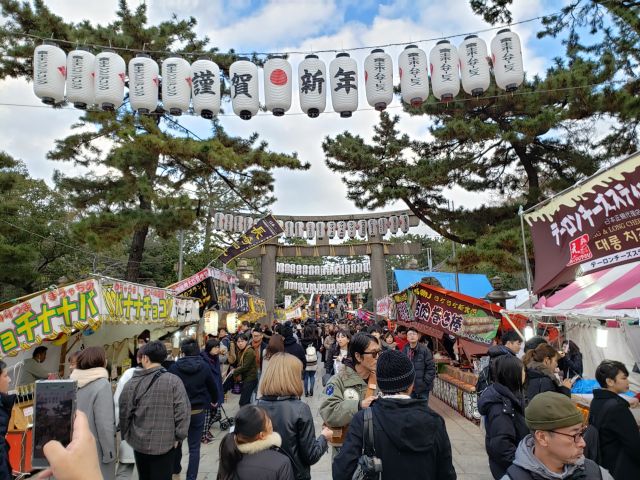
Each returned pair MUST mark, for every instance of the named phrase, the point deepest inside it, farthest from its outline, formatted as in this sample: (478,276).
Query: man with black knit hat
(554,449)
(409,438)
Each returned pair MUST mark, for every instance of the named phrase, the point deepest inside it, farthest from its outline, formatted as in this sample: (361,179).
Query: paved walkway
(467,441)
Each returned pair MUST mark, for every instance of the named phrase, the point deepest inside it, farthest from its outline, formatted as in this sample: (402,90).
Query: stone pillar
(378,273)
(268,279)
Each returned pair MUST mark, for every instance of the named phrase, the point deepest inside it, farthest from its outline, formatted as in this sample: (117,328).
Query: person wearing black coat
(571,364)
(410,439)
(292,346)
(280,391)
(541,364)
(618,432)
(511,344)
(502,406)
(423,363)
(6,404)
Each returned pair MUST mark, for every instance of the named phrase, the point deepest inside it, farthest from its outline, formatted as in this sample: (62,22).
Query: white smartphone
(53,414)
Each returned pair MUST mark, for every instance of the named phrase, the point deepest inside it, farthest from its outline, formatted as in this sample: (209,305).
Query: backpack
(591,472)
(369,466)
(311,355)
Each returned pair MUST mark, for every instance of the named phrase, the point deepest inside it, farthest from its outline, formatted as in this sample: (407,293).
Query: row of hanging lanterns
(329,288)
(373,227)
(343,269)
(100,80)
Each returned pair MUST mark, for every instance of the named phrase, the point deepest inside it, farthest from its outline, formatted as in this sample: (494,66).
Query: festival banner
(382,306)
(213,287)
(262,231)
(592,226)
(436,311)
(205,292)
(242,303)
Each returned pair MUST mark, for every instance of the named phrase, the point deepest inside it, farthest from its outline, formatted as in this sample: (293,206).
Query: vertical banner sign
(262,231)
(593,226)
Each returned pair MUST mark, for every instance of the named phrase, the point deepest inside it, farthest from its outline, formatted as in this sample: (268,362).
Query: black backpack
(591,472)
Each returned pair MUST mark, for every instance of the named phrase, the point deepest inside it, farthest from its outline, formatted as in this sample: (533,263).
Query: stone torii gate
(374,247)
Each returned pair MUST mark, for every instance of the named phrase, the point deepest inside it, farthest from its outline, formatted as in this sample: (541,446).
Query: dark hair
(145,335)
(2,366)
(38,350)
(222,328)
(276,345)
(244,337)
(345,333)
(507,371)
(249,422)
(413,329)
(155,351)
(359,344)
(189,347)
(609,369)
(401,328)
(374,329)
(542,351)
(510,336)
(310,332)
(211,343)
(533,343)
(573,348)
(74,357)
(91,357)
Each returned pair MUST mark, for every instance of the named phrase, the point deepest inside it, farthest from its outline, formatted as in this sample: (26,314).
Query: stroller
(222,418)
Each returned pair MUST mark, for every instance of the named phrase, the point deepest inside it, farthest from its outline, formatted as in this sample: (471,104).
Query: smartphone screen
(54,411)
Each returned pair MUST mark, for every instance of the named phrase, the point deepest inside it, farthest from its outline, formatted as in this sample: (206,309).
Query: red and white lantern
(277,85)
(49,73)
(444,64)
(378,79)
(506,52)
(474,65)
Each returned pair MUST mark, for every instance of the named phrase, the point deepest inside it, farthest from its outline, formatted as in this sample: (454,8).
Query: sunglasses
(375,354)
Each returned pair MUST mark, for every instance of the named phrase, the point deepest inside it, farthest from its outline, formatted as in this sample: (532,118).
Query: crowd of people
(374,406)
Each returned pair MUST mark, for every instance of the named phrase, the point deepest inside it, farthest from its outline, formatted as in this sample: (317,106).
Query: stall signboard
(46,316)
(213,287)
(261,232)
(257,305)
(438,311)
(592,226)
(242,303)
(382,306)
(204,291)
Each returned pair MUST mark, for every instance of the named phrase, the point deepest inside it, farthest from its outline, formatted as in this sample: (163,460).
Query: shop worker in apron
(352,388)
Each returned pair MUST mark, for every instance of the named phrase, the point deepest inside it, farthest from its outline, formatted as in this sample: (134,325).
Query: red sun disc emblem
(278,77)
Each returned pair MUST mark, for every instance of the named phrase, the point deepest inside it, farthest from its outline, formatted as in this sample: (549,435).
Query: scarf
(85,377)
(257,347)
(542,368)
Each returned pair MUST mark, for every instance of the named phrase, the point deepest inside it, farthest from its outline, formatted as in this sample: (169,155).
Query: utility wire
(293,52)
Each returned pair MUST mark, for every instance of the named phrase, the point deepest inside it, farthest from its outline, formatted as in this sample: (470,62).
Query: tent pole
(505,315)
(524,251)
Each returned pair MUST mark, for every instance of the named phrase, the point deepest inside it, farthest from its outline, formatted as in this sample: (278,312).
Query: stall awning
(472,284)
(614,292)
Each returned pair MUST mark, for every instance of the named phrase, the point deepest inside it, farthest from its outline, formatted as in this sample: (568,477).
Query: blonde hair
(282,377)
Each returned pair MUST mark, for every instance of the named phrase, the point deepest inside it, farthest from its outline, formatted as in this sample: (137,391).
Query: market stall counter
(457,388)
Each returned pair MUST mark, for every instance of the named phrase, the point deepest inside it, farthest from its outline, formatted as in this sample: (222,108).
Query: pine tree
(138,165)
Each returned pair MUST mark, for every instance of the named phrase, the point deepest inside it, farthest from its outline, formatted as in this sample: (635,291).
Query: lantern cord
(293,52)
(328,112)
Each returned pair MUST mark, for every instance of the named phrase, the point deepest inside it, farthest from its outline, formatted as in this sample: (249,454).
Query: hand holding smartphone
(54,412)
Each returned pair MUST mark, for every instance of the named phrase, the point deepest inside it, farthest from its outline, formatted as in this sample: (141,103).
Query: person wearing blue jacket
(211,357)
(201,389)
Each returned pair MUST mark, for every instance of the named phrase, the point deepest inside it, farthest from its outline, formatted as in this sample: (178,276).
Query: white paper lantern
(287,268)
(378,79)
(109,80)
(414,75)
(298,269)
(278,267)
(331,229)
(238,224)
(383,226)
(277,85)
(474,66)
(305,269)
(286,285)
(341,229)
(248,223)
(358,268)
(347,269)
(404,223)
(372,227)
(316,270)
(444,64)
(352,228)
(312,79)
(143,83)
(366,267)
(205,88)
(49,73)
(506,52)
(393,224)
(289,229)
(176,85)
(228,222)
(344,84)
(321,230)
(311,230)
(362,228)
(245,99)
(80,72)
(219,221)
(299,229)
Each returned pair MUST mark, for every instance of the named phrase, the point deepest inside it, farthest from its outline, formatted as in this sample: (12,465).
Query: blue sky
(284,25)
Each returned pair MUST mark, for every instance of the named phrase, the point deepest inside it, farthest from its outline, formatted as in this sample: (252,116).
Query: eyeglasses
(375,354)
(576,437)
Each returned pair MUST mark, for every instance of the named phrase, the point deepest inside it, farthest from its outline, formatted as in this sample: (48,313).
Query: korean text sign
(592,226)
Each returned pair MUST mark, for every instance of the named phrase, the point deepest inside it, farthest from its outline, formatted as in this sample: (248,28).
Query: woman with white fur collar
(252,450)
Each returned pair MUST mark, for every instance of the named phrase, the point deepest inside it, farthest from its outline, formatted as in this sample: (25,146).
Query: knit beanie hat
(550,410)
(395,372)
(287,329)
